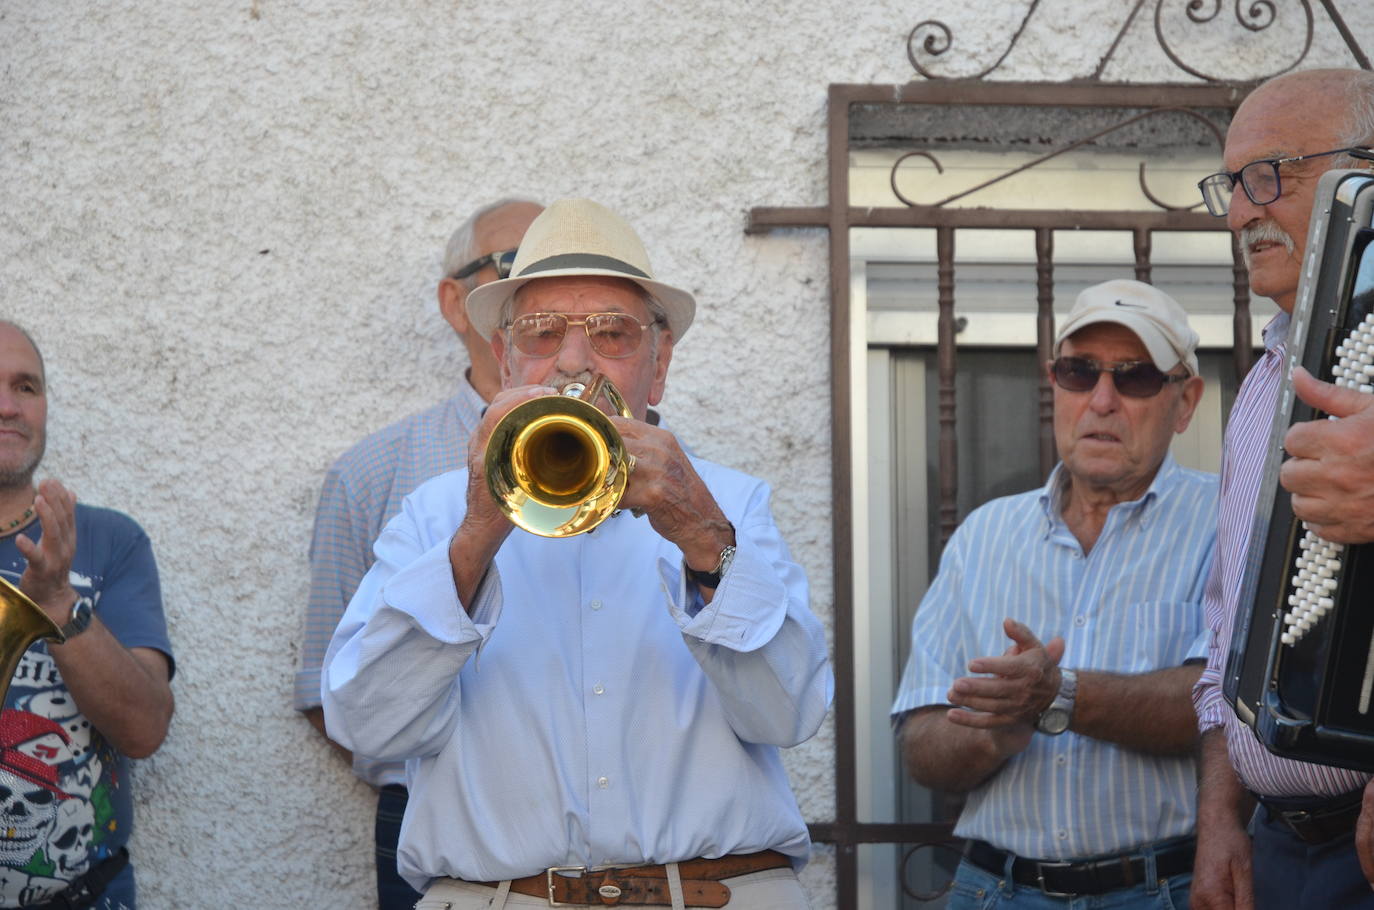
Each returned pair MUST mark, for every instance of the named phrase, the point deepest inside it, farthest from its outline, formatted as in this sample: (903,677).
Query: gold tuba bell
(556,465)
(22,622)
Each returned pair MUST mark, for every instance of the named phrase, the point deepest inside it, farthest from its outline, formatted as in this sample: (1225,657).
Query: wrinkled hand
(1024,680)
(1331,471)
(1364,834)
(47,578)
(482,511)
(1222,877)
(665,487)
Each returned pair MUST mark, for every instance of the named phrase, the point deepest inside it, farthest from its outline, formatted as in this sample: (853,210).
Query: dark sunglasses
(501,260)
(1133,378)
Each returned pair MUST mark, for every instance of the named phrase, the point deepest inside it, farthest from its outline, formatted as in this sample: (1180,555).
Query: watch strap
(712,578)
(82,613)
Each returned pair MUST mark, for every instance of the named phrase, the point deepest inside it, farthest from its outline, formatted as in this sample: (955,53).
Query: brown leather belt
(701,886)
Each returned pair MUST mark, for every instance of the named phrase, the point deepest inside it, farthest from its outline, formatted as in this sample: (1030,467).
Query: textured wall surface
(223,222)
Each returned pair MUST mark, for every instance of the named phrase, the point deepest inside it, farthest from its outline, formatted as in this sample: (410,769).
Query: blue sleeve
(116,559)
(940,636)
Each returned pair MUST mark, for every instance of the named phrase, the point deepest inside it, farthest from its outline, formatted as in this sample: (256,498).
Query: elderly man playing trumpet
(592,720)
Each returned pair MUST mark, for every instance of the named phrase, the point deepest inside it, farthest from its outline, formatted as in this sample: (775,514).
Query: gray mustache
(1265,232)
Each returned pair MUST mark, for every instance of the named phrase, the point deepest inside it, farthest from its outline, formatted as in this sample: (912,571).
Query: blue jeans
(392,891)
(975,889)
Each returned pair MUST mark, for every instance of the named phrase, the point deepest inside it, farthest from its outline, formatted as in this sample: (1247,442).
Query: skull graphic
(28,812)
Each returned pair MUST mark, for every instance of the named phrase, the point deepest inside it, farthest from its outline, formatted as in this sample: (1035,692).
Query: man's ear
(661,362)
(1189,397)
(453,304)
(498,350)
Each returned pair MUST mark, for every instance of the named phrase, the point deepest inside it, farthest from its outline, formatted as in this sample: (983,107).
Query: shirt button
(1077,554)
(596,605)
(599,689)
(1080,621)
(1061,760)
(604,782)
(1063,835)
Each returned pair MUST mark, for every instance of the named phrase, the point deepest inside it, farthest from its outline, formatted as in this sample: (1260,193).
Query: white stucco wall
(223,222)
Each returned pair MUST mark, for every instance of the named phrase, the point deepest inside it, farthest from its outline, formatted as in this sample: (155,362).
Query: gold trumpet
(556,465)
(22,622)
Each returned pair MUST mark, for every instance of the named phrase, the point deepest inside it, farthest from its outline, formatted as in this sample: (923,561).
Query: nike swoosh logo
(1134,306)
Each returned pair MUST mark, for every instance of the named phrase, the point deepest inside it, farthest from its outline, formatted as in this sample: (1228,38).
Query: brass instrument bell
(22,622)
(556,465)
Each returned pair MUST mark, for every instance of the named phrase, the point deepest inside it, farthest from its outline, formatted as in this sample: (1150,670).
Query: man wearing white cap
(1053,655)
(592,720)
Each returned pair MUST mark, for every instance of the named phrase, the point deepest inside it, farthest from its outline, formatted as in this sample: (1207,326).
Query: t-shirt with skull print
(65,800)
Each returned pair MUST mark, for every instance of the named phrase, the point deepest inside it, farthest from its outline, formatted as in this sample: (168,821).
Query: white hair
(462,246)
(1360,125)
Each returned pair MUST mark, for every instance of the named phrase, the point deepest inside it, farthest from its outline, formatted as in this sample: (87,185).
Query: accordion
(1300,670)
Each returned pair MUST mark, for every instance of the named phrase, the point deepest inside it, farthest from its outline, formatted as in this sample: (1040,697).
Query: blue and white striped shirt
(362,492)
(1132,604)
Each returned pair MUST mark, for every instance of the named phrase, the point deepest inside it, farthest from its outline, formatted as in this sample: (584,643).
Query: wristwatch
(712,578)
(1056,718)
(82,613)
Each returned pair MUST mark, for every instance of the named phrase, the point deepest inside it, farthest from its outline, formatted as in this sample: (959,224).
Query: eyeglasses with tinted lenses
(1133,378)
(501,260)
(1259,180)
(610,334)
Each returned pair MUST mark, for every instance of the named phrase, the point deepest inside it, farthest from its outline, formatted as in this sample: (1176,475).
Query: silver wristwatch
(1056,718)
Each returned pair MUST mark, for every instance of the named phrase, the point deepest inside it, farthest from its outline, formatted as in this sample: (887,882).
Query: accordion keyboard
(1318,564)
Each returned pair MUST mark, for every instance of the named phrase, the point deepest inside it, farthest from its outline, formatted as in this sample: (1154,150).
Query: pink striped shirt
(1242,470)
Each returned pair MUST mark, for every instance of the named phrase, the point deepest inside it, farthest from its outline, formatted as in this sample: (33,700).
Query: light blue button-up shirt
(588,709)
(1132,604)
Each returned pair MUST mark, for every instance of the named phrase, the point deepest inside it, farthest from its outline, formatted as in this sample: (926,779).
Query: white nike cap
(1155,317)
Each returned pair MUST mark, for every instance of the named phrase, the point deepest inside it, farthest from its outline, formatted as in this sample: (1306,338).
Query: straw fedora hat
(578,237)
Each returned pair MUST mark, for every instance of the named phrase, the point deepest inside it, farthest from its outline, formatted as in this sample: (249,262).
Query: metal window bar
(847,832)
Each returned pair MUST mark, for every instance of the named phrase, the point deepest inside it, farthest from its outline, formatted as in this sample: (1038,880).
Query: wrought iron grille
(1209,105)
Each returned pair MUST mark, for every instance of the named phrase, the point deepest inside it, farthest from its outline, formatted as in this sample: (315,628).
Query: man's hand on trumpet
(485,527)
(665,487)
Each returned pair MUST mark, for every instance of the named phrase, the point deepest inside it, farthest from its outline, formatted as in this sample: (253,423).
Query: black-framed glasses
(501,260)
(1259,179)
(610,334)
(1133,378)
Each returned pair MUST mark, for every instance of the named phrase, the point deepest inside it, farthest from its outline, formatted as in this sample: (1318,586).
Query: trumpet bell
(556,465)
(560,458)
(22,622)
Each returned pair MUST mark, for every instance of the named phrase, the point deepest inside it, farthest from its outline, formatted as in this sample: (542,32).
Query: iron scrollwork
(1254,16)
(932,39)
(1077,143)
(924,897)
(937,39)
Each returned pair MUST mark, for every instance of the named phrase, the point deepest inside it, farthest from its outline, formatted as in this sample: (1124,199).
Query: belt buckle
(548,880)
(607,890)
(1040,879)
